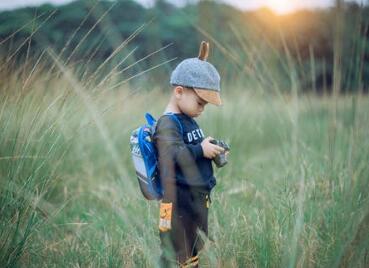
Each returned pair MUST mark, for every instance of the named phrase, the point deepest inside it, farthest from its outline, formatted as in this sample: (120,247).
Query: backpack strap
(174,117)
(150,119)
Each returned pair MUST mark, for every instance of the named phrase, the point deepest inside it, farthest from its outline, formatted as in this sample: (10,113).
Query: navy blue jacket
(181,160)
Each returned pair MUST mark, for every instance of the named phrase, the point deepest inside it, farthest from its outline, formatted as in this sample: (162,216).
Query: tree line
(317,49)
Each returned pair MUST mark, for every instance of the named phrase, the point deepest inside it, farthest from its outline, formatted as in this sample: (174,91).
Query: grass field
(295,193)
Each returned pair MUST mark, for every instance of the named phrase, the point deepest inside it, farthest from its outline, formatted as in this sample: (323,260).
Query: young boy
(185,157)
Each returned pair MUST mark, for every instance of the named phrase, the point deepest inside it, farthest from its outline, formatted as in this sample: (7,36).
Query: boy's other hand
(210,150)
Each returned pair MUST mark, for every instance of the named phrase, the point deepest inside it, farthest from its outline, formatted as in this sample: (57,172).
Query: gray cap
(196,73)
(200,75)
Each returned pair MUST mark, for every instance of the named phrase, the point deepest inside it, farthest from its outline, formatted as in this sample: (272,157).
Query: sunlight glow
(281,6)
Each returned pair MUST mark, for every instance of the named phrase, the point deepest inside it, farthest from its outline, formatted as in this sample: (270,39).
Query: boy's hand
(210,150)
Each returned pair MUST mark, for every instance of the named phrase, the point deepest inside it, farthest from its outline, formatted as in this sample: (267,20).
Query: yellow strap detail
(207,201)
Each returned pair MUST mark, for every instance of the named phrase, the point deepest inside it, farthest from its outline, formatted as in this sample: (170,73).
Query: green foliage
(293,194)
(301,42)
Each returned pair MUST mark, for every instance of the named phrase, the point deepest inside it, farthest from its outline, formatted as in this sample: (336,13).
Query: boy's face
(189,102)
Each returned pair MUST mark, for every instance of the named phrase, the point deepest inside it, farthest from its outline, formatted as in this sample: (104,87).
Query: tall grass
(69,196)
(294,193)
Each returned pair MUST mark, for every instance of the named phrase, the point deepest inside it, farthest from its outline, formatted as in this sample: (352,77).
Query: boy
(185,157)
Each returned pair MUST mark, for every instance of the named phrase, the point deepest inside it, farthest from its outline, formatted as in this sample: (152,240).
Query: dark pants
(182,242)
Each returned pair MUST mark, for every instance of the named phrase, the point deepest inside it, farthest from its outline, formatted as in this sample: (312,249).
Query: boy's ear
(178,91)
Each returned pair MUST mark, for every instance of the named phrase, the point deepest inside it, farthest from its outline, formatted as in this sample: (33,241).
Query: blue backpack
(145,158)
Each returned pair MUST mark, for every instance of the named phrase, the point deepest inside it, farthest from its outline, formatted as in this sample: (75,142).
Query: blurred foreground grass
(295,193)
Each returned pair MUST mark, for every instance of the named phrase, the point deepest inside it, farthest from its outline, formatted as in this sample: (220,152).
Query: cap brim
(210,96)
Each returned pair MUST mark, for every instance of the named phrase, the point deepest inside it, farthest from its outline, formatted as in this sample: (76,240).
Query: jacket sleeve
(169,140)
(173,151)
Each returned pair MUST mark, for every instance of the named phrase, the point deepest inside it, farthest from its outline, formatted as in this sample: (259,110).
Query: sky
(279,6)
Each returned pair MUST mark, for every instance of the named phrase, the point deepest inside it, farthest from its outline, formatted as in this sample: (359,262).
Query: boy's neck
(172,107)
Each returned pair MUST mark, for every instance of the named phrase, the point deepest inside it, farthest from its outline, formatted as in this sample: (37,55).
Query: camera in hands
(221,159)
